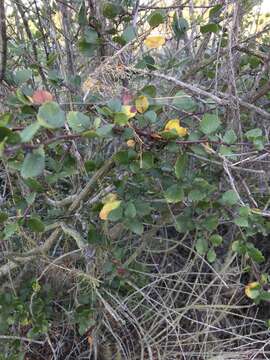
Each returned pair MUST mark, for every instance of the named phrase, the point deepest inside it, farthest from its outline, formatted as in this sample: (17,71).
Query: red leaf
(126,97)
(41,96)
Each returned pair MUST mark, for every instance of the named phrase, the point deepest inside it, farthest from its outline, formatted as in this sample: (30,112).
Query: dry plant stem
(43,249)
(6,337)
(223,99)
(20,7)
(3,41)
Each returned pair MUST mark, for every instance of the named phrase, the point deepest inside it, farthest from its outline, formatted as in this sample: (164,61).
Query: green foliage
(22,76)
(51,116)
(29,132)
(174,194)
(156,18)
(198,198)
(180,26)
(209,124)
(184,102)
(210,28)
(78,121)
(129,34)
(33,164)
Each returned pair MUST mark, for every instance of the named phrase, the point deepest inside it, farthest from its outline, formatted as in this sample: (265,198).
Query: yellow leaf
(57,19)
(174,124)
(256,211)
(107,208)
(252,289)
(131,143)
(154,42)
(142,104)
(130,111)
(109,198)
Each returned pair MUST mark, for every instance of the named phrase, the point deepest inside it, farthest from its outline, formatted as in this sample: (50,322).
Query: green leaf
(184,102)
(142,208)
(105,130)
(86,48)
(116,214)
(129,34)
(9,135)
(180,166)
(22,76)
(227,152)
(35,224)
(174,194)
(229,198)
(265,295)
(78,121)
(254,61)
(196,195)
(9,230)
(239,247)
(210,222)
(115,105)
(179,25)
(230,137)
(147,160)
(33,164)
(82,18)
(156,18)
(30,198)
(259,143)
(34,185)
(121,157)
(212,28)
(5,119)
(241,221)
(244,211)
(216,239)
(120,118)
(51,116)
(211,255)
(253,134)
(255,292)
(209,124)
(93,236)
(254,253)
(184,223)
(90,36)
(110,11)
(150,115)
(149,90)
(130,210)
(29,132)
(147,61)
(201,246)
(3,217)
(134,225)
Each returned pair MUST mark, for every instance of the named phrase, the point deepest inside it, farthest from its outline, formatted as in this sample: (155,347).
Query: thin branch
(3,41)
(21,338)
(223,99)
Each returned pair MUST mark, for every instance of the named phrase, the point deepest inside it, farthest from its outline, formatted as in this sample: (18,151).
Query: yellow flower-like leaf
(252,290)
(130,111)
(142,104)
(154,42)
(131,143)
(174,124)
(107,208)
(109,198)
